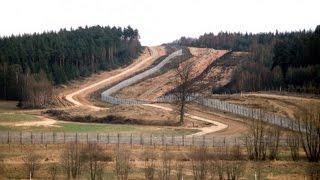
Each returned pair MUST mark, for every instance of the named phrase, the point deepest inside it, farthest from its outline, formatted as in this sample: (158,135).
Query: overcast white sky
(160,21)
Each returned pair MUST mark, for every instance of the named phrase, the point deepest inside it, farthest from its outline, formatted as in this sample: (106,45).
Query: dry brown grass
(154,87)
(14,168)
(285,106)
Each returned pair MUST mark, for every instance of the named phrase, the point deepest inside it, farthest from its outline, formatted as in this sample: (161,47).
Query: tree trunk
(182,109)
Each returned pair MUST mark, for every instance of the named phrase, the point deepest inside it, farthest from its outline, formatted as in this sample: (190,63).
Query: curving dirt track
(217,126)
(78,97)
(154,87)
(76,94)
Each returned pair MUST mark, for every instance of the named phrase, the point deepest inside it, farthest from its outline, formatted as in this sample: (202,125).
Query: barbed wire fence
(25,137)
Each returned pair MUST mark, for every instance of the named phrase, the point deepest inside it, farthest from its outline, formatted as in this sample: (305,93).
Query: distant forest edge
(31,64)
(289,60)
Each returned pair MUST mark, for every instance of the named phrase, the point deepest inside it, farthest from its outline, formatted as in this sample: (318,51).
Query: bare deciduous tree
(199,161)
(187,87)
(179,170)
(37,91)
(122,165)
(293,141)
(71,160)
(53,170)
(309,128)
(273,139)
(149,162)
(31,162)
(216,168)
(234,169)
(313,171)
(2,171)
(94,158)
(255,140)
(236,152)
(166,167)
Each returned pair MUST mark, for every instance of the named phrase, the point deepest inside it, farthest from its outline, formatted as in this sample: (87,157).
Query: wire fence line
(14,137)
(106,95)
(267,117)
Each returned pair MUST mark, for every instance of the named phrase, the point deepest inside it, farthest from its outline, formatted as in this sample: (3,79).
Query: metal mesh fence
(106,95)
(213,103)
(15,137)
(267,117)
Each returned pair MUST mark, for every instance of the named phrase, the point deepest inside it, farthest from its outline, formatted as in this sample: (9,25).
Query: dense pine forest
(31,64)
(288,60)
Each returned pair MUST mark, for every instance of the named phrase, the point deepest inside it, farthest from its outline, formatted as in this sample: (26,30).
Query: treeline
(38,61)
(290,60)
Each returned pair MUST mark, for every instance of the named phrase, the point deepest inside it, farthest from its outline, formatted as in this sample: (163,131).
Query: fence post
(87,138)
(41,137)
(44,138)
(108,139)
(182,140)
(76,137)
(64,137)
(131,140)
(20,137)
(162,138)
(118,139)
(235,141)
(203,140)
(192,140)
(212,141)
(150,139)
(98,137)
(8,137)
(21,140)
(141,140)
(53,137)
(31,137)
(172,139)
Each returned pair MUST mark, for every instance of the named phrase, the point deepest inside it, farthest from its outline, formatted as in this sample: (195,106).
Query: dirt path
(78,97)
(217,126)
(156,86)
(43,122)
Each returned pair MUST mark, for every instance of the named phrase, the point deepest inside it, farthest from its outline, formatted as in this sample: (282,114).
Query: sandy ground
(284,105)
(46,122)
(78,97)
(154,87)
(77,94)
(216,126)
(72,97)
(203,57)
(151,88)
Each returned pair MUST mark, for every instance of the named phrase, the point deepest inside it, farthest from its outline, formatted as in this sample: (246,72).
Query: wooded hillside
(51,58)
(289,60)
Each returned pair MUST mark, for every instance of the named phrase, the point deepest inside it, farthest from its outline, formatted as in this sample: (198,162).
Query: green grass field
(101,128)
(16,117)
(10,114)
